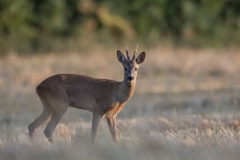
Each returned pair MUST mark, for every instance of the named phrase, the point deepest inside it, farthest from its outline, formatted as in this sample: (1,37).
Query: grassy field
(186,106)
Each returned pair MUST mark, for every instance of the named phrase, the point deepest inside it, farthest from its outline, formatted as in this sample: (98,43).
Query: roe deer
(102,97)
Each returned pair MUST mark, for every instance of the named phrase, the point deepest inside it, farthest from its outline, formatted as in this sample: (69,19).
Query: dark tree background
(29,26)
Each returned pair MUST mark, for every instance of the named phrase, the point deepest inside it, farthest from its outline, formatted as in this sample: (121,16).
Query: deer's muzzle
(130,78)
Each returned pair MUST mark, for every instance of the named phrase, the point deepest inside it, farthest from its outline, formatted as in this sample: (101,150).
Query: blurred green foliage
(58,25)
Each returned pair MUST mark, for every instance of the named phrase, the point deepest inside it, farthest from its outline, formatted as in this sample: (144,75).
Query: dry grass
(186,106)
(185,70)
(188,137)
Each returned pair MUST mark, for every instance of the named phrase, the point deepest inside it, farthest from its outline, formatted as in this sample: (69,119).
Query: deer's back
(78,90)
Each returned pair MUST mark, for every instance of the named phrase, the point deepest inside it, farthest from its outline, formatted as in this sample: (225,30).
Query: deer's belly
(86,103)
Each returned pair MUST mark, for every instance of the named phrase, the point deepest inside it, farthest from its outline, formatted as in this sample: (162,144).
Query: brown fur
(102,97)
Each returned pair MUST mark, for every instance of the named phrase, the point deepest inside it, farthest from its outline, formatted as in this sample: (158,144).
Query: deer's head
(130,65)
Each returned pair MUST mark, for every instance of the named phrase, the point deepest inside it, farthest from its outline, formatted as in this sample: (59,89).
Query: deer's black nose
(130,78)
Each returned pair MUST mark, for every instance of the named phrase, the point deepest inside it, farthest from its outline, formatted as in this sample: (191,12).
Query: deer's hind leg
(58,108)
(43,118)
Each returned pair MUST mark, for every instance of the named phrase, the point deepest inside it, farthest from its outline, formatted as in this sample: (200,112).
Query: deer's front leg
(111,120)
(95,125)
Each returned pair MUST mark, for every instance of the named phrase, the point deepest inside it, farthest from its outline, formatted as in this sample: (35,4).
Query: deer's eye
(125,68)
(136,69)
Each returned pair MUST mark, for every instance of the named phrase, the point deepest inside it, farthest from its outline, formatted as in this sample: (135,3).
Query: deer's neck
(126,90)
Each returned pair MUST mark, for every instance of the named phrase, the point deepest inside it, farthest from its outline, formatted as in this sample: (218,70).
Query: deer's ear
(141,58)
(121,57)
